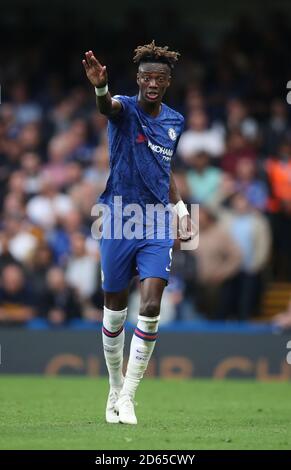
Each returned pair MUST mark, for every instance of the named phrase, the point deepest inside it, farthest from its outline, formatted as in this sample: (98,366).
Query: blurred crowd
(234,159)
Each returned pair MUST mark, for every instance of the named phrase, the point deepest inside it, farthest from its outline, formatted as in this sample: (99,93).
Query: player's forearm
(175,198)
(174,193)
(104,103)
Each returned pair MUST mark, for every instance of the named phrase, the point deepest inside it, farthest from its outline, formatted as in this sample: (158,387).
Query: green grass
(68,413)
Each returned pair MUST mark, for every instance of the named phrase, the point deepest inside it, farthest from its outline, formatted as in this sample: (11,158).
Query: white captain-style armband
(102,91)
(180,209)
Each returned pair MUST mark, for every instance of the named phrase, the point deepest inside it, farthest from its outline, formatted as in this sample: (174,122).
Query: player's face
(153,80)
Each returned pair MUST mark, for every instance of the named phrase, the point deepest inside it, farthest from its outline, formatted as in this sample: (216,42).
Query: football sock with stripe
(141,348)
(113,343)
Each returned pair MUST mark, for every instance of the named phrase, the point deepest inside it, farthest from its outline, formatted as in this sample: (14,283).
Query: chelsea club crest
(172,134)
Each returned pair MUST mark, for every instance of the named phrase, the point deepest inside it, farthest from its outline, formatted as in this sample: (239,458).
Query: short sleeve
(125,103)
(182,126)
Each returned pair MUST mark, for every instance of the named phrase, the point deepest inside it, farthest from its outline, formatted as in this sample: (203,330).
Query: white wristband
(101,91)
(180,209)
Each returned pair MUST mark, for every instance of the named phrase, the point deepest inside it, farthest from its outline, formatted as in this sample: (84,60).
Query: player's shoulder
(173,113)
(127,103)
(124,98)
(127,107)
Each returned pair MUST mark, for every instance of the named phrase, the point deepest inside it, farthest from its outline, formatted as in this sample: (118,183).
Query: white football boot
(125,408)
(111,411)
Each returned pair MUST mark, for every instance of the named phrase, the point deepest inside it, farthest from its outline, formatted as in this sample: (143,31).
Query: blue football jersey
(141,148)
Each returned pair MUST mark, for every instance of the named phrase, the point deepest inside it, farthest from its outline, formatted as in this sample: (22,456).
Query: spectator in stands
(6,257)
(237,147)
(81,149)
(83,195)
(29,138)
(194,99)
(74,174)
(98,172)
(98,126)
(59,302)
(16,298)
(82,269)
(200,138)
(16,184)
(38,265)
(278,171)
(62,114)
(203,179)
(13,205)
(21,239)
(218,260)
(276,130)
(31,167)
(247,183)
(238,119)
(25,110)
(45,208)
(251,233)
(55,170)
(59,238)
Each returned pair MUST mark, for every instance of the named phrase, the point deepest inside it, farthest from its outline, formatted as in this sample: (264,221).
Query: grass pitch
(68,413)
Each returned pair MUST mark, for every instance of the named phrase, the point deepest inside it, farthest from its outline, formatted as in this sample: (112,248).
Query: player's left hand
(186,228)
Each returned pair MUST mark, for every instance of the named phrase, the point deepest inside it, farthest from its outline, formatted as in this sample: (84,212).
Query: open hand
(96,73)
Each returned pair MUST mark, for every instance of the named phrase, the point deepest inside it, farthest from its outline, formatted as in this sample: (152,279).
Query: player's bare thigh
(151,295)
(151,290)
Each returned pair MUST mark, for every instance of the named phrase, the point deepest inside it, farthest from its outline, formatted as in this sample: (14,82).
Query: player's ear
(137,78)
(169,82)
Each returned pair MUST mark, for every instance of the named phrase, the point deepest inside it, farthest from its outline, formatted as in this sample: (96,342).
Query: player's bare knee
(150,309)
(115,300)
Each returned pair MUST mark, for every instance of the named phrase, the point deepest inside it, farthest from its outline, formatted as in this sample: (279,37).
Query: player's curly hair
(152,53)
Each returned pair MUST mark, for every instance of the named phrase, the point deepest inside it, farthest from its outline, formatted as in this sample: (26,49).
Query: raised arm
(97,75)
